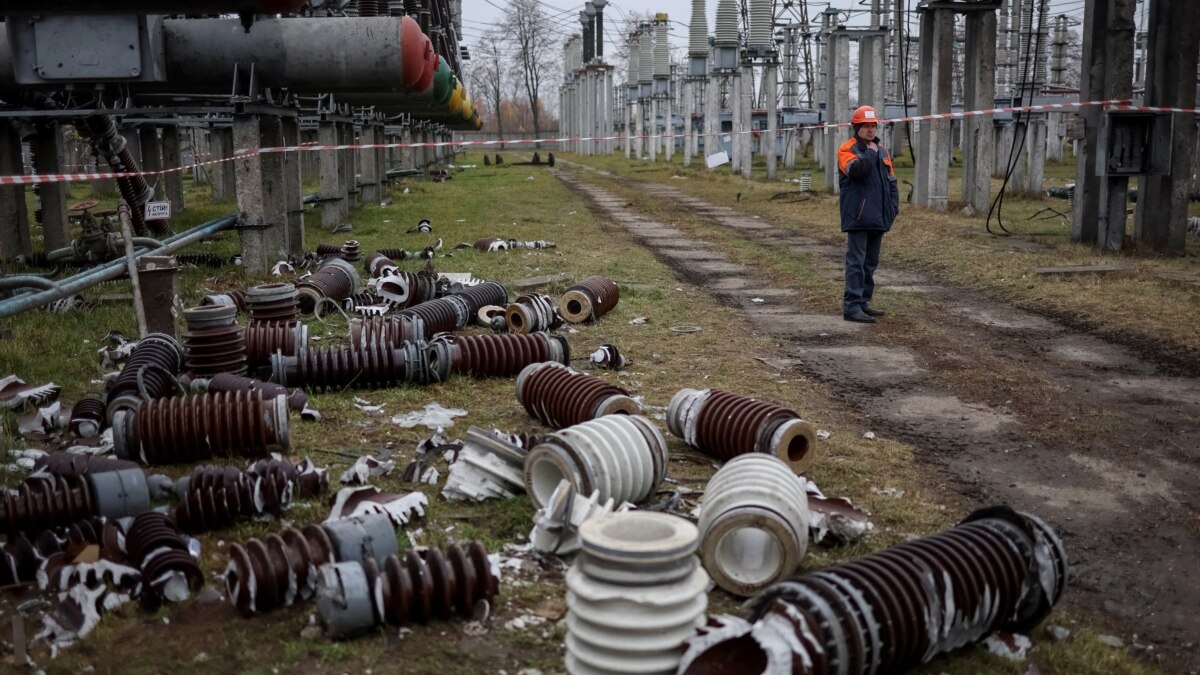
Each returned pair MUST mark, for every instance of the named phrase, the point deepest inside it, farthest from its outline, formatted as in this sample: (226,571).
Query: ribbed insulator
(532,313)
(187,429)
(373,365)
(230,299)
(889,611)
(559,396)
(503,355)
(226,382)
(351,251)
(634,594)
(406,289)
(328,249)
(726,24)
(87,417)
(336,280)
(364,299)
(623,457)
(155,545)
(753,523)
(42,502)
(372,8)
(762,24)
(662,49)
(202,259)
(133,188)
(645,53)
(214,343)
(395,253)
(490,244)
(387,330)
(589,299)
(273,303)
(725,425)
(306,479)
(21,557)
(698,31)
(631,73)
(151,370)
(218,496)
(482,295)
(263,340)
(377,264)
(442,315)
(71,465)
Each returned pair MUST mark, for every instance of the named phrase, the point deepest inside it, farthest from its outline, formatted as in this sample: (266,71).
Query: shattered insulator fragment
(187,429)
(325,250)
(214,497)
(41,502)
(351,252)
(21,557)
(388,330)
(70,464)
(378,264)
(531,313)
(634,594)
(231,299)
(623,457)
(559,396)
(227,382)
(335,280)
(589,299)
(501,355)
(889,611)
(214,343)
(364,299)
(372,365)
(406,289)
(608,357)
(306,479)
(263,340)
(155,545)
(489,244)
(395,253)
(276,571)
(725,425)
(153,365)
(87,417)
(273,303)
(417,588)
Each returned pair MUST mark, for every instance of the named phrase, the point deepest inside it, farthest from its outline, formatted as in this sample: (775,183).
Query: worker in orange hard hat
(870,203)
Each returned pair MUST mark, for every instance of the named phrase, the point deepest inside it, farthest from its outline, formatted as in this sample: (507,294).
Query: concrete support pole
(152,159)
(872,72)
(1018,180)
(712,116)
(260,192)
(769,141)
(224,182)
(172,158)
(654,139)
(346,169)
(629,130)
(610,95)
(1055,128)
(408,155)
(746,101)
(47,148)
(293,197)
(198,140)
(1004,137)
(1035,146)
(689,107)
(381,161)
(15,238)
(979,79)
(735,109)
(370,165)
(837,104)
(932,182)
(331,192)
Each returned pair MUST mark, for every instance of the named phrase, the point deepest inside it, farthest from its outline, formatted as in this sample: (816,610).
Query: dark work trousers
(862,257)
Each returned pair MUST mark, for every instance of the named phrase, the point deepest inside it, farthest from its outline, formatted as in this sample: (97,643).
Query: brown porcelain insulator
(72,465)
(202,259)
(395,253)
(365,366)
(364,299)
(133,187)
(155,362)
(351,251)
(297,400)
(402,289)
(434,585)
(589,299)
(335,280)
(559,396)
(156,546)
(214,343)
(263,340)
(270,573)
(531,313)
(376,264)
(87,417)
(42,502)
(486,243)
(443,315)
(502,355)
(186,429)
(389,330)
(482,295)
(228,299)
(328,249)
(273,303)
(306,479)
(21,557)
(725,425)
(218,496)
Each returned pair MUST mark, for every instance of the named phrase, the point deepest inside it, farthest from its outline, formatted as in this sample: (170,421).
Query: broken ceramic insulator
(213,343)
(634,594)
(153,365)
(365,299)
(45,501)
(351,251)
(273,303)
(326,249)
(373,365)
(503,355)
(889,611)
(87,418)
(187,429)
(231,299)
(489,244)
(416,588)
(297,400)
(556,525)
(725,425)
(442,315)
(608,358)
(336,280)
(753,523)
(489,466)
(491,316)
(21,557)
(559,396)
(623,457)
(395,253)
(589,299)
(406,289)
(377,264)
(388,330)
(263,340)
(276,571)
(531,313)
(155,545)
(214,497)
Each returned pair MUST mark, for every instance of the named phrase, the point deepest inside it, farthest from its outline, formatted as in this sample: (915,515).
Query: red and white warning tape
(242,153)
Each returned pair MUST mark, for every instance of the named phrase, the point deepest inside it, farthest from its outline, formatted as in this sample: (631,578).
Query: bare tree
(531,34)
(488,74)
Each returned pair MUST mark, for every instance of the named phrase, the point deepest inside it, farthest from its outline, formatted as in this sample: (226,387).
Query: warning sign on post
(158,210)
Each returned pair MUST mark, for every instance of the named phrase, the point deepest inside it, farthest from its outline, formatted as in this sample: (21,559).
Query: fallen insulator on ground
(482,295)
(388,330)
(263,340)
(406,289)
(335,280)
(280,569)
(889,611)
(213,343)
(379,265)
(753,523)
(531,313)
(589,299)
(155,545)
(297,400)
(41,502)
(502,355)
(21,557)
(206,259)
(365,299)
(71,464)
(213,497)
(623,457)
(186,429)
(153,365)
(559,396)
(372,365)
(325,250)
(489,466)
(273,303)
(87,418)
(556,525)
(395,253)
(356,596)
(725,425)
(634,594)
(351,252)
(442,315)
(230,299)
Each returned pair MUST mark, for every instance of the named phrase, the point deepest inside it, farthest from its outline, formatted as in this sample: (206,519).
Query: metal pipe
(139,310)
(19,281)
(112,270)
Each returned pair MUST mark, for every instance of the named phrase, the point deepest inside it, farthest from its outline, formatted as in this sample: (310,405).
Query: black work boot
(871,311)
(858,316)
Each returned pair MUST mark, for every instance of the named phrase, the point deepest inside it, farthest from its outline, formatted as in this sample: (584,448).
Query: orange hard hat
(864,115)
